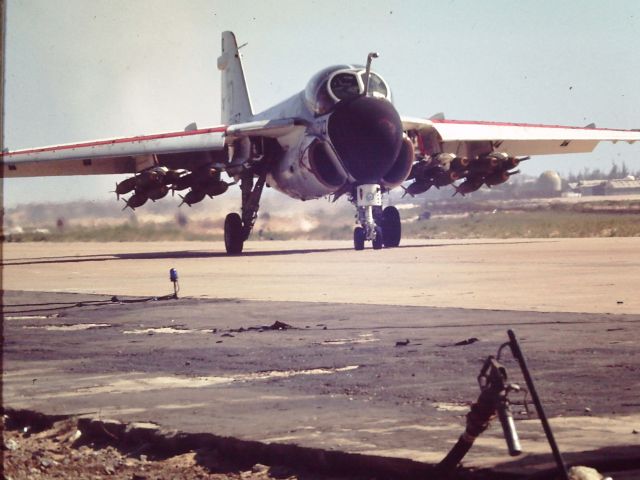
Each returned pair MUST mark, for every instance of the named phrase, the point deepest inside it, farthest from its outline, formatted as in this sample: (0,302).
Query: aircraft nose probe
(367,74)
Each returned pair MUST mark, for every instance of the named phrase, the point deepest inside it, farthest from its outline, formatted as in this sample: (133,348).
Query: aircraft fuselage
(349,138)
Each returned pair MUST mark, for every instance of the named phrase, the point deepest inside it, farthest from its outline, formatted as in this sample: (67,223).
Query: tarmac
(370,365)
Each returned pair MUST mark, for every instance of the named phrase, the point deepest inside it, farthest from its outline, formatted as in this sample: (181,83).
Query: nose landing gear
(381,227)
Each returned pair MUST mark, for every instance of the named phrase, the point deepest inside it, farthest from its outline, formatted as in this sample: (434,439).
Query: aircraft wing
(266,128)
(470,138)
(178,150)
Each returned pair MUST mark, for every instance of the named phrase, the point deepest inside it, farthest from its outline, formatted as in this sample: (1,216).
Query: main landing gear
(237,228)
(381,227)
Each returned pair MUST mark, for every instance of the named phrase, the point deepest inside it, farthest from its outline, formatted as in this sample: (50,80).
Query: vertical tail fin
(236,104)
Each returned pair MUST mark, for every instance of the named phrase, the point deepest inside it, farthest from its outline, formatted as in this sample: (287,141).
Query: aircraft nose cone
(367,134)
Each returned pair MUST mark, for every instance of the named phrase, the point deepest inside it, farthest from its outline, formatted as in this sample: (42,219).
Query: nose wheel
(391,227)
(359,237)
(380,227)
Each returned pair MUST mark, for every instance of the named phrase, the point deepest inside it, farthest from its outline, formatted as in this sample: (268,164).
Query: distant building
(621,186)
(571,194)
(588,187)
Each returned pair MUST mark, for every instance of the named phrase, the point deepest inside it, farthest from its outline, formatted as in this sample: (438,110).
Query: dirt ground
(58,452)
(377,380)
(61,450)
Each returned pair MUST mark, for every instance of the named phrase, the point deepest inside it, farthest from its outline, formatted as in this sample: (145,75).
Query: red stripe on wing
(138,138)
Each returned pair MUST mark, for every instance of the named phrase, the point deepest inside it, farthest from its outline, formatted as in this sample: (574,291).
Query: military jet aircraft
(341,135)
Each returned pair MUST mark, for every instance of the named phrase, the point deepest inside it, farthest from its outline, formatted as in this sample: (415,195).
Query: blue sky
(79,70)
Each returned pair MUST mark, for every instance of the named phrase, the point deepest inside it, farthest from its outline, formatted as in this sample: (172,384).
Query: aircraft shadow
(205,254)
(161,255)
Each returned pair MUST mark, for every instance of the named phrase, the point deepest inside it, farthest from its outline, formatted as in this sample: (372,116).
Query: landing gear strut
(381,227)
(238,228)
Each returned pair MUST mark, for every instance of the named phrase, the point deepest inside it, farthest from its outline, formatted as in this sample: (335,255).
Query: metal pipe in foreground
(519,356)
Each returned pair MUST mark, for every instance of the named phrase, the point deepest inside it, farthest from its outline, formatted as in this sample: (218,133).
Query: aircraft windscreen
(345,86)
(377,86)
(317,94)
(341,82)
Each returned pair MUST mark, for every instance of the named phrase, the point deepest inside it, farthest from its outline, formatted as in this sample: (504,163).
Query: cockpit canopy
(341,82)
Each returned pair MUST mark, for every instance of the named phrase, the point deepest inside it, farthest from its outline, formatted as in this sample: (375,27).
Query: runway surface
(370,365)
(567,275)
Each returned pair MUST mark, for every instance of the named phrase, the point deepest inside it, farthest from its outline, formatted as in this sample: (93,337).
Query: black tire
(358,238)
(233,234)
(379,240)
(391,227)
